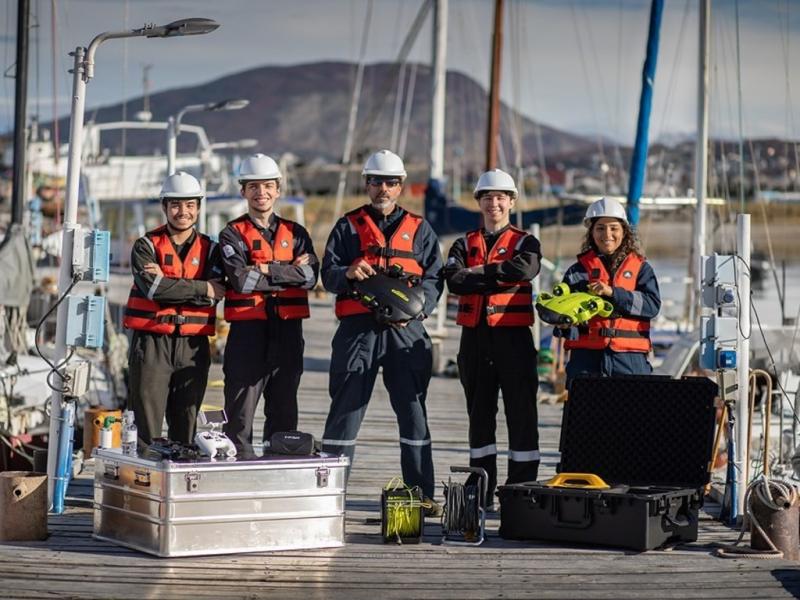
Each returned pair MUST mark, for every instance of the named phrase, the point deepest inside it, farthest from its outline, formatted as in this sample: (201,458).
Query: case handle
(584,481)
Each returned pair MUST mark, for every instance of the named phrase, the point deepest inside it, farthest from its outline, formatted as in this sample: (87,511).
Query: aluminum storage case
(650,439)
(171,508)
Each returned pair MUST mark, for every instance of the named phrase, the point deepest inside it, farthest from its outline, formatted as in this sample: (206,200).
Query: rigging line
(756,194)
(54,80)
(739,96)
(124,132)
(398,105)
(537,128)
(351,124)
(790,124)
(8,104)
(412,80)
(38,59)
(676,61)
(366,128)
(618,96)
(588,84)
(515,117)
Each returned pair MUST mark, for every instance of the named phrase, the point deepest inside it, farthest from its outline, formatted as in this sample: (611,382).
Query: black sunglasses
(378,181)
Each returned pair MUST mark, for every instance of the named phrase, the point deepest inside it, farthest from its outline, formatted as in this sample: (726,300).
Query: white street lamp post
(83,71)
(174,129)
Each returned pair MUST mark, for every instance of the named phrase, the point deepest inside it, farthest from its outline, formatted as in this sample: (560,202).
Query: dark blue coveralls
(263,358)
(643,303)
(361,346)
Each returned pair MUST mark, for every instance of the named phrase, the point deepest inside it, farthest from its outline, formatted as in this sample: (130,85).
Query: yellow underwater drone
(564,307)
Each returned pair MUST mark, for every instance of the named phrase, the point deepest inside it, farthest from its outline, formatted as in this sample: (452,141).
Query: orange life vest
(291,303)
(510,307)
(374,249)
(144,314)
(621,334)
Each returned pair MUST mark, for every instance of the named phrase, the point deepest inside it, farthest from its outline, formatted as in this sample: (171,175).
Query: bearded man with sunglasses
(381,236)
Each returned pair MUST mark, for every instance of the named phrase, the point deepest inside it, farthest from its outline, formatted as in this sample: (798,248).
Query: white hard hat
(181,185)
(257,168)
(495,181)
(384,163)
(605,207)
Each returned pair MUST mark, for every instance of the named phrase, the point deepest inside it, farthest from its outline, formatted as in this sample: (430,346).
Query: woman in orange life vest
(177,281)
(611,265)
(491,269)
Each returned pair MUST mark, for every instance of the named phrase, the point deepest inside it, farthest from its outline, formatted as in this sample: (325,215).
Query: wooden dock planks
(70,564)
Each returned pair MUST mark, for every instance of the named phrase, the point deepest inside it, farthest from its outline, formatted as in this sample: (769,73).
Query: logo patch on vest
(284,243)
(195,261)
(168,259)
(501,251)
(256,244)
(405,236)
(627,274)
(595,273)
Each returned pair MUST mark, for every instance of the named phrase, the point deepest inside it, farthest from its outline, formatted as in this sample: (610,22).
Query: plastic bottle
(106,433)
(130,434)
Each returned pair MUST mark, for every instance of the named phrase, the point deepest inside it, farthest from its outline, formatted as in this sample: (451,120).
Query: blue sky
(575,64)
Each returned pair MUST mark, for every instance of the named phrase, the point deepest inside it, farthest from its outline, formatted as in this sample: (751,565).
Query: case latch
(322,476)
(192,481)
(111,471)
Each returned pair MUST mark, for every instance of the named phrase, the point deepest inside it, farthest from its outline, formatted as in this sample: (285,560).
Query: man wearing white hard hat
(177,281)
(381,237)
(491,269)
(270,266)
(611,265)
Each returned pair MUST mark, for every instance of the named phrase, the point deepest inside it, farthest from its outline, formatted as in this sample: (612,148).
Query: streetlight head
(231,104)
(193,26)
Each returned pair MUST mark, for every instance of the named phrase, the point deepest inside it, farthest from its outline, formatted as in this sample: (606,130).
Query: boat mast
(20,111)
(701,159)
(439,85)
(493,125)
(639,159)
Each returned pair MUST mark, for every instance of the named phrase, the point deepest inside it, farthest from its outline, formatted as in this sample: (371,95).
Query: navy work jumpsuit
(494,358)
(361,346)
(263,357)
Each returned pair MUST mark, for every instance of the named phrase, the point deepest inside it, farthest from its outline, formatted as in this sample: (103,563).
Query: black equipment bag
(294,443)
(650,438)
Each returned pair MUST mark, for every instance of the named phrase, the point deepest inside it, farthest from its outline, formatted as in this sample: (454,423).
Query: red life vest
(144,314)
(291,303)
(374,249)
(511,307)
(622,334)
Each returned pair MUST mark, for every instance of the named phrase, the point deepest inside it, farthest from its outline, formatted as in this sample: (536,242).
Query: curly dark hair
(630,243)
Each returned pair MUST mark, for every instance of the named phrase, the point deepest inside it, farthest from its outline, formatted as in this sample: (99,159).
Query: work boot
(432,508)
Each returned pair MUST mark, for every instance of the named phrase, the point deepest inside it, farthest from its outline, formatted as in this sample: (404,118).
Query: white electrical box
(76,378)
(718,281)
(91,254)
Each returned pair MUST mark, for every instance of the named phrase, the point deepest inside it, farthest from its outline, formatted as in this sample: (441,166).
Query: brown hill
(303,109)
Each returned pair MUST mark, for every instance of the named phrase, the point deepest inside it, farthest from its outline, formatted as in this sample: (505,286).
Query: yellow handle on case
(584,481)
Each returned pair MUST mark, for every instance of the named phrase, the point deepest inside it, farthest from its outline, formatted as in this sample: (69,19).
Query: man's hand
(399,324)
(264,268)
(303,259)
(215,289)
(153,269)
(360,271)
